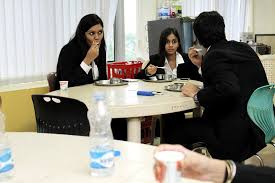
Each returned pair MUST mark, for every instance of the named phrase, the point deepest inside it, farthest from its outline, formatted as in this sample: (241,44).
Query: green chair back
(260,110)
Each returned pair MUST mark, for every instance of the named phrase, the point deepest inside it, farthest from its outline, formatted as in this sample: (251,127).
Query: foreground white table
(125,103)
(50,158)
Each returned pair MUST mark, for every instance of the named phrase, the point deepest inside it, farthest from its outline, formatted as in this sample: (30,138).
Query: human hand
(151,69)
(193,165)
(92,53)
(189,90)
(195,56)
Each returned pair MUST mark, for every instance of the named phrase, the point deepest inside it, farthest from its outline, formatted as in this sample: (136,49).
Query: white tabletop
(124,102)
(51,158)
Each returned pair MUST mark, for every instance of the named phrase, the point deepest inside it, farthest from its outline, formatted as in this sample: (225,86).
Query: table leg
(134,130)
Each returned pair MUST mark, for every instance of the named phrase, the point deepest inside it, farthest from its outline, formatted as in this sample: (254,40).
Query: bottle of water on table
(6,161)
(101,137)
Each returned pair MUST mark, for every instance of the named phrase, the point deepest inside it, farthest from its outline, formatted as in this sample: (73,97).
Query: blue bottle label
(101,159)
(6,161)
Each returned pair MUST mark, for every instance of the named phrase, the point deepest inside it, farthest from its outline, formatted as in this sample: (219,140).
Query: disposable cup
(170,159)
(63,85)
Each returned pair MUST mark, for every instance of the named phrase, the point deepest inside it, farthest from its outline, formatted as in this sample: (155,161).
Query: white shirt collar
(168,70)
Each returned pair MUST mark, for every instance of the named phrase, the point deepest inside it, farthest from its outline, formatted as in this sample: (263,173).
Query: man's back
(231,72)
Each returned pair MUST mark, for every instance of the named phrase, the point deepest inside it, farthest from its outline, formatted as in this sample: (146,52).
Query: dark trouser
(119,128)
(178,130)
(186,131)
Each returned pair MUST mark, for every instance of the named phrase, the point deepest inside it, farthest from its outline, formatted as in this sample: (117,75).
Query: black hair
(163,39)
(84,25)
(209,28)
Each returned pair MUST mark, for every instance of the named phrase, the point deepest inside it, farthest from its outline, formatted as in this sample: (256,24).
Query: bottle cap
(116,153)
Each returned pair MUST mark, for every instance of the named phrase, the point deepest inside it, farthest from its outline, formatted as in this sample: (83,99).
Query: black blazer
(252,174)
(68,66)
(184,70)
(231,71)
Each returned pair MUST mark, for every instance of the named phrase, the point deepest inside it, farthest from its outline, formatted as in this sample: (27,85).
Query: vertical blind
(32,32)
(234,12)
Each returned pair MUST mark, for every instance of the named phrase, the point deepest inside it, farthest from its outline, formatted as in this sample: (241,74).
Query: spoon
(160,67)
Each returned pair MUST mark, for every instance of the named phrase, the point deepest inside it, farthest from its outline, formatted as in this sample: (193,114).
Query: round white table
(52,158)
(124,102)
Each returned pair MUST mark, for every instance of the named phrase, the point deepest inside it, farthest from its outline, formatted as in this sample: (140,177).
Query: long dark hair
(163,39)
(209,28)
(84,25)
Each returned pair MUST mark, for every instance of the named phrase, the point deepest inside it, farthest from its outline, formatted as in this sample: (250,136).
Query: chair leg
(272,143)
(153,129)
(260,159)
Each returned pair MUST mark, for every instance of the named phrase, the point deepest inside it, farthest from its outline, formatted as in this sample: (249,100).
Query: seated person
(202,168)
(83,61)
(231,71)
(171,57)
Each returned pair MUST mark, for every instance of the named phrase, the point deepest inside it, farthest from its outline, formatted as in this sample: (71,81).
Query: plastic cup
(63,85)
(170,159)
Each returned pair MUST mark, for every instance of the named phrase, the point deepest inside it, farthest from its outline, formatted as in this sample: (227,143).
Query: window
(130,21)
(33,32)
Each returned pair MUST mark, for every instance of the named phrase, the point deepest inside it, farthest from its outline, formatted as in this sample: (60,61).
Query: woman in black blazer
(171,57)
(83,59)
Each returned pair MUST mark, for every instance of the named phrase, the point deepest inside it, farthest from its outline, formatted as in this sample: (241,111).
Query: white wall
(264,16)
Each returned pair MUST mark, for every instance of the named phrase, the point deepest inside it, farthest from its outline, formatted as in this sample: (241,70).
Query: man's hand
(189,90)
(195,57)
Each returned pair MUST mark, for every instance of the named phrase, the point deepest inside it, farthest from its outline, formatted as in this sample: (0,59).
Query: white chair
(268,62)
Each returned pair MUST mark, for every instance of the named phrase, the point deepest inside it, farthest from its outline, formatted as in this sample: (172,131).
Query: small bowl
(178,86)
(164,77)
(153,78)
(160,76)
(115,80)
(168,77)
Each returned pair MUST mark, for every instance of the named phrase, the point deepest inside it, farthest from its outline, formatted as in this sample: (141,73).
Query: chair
(52,79)
(123,69)
(268,62)
(60,115)
(260,110)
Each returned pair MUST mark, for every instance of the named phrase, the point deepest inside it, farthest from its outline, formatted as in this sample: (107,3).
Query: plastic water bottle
(101,138)
(164,11)
(6,161)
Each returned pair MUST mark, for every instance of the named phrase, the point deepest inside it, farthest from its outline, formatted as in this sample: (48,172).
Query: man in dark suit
(231,71)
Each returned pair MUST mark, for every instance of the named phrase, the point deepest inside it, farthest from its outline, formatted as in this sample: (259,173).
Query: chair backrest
(268,62)
(52,79)
(123,69)
(260,110)
(60,115)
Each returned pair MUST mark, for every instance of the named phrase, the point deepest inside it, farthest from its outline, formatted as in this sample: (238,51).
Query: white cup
(63,85)
(170,159)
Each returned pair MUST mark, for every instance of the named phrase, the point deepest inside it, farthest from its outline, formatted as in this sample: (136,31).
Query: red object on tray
(123,70)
